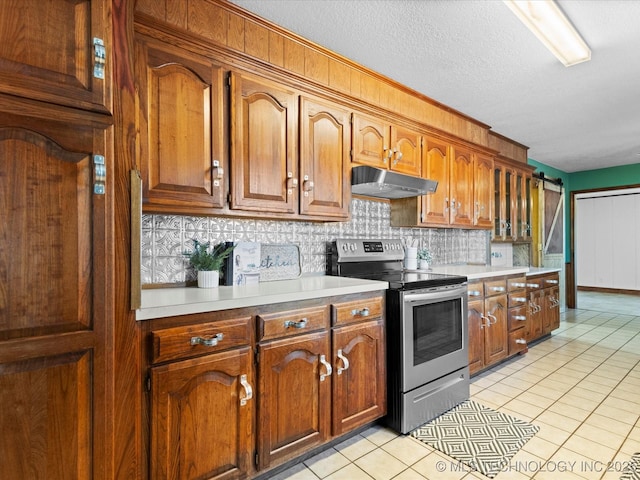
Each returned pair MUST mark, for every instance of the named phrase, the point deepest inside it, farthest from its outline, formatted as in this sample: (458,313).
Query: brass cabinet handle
(292,323)
(207,342)
(345,362)
(248,391)
(363,312)
(520,318)
(327,366)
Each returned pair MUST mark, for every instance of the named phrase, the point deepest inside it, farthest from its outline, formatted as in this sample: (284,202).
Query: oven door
(435,334)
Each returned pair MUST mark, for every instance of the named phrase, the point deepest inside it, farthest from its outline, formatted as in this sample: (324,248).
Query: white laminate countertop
(168,302)
(474,272)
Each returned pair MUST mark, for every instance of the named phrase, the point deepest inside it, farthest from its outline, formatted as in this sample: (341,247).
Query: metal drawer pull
(521,341)
(495,320)
(474,293)
(498,289)
(207,342)
(520,299)
(363,313)
(533,285)
(248,391)
(552,282)
(291,323)
(520,318)
(345,362)
(519,285)
(327,366)
(482,324)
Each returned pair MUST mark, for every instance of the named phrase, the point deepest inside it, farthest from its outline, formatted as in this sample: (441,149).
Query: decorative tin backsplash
(165,238)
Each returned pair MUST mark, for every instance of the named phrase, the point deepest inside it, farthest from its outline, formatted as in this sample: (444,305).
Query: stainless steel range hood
(375,182)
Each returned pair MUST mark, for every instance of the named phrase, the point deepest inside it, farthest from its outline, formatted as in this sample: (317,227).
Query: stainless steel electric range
(426,330)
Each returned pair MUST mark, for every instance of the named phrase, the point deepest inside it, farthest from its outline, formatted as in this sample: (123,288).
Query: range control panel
(352,250)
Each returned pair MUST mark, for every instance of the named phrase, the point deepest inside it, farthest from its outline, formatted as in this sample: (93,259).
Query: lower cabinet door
(294,410)
(202,417)
(476,336)
(359,392)
(495,337)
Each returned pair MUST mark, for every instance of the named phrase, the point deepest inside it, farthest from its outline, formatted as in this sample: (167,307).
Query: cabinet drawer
(517,341)
(550,281)
(517,317)
(292,322)
(356,311)
(192,340)
(518,299)
(495,287)
(518,283)
(534,283)
(475,290)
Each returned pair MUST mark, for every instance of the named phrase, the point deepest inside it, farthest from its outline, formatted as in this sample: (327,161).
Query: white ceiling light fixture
(545,19)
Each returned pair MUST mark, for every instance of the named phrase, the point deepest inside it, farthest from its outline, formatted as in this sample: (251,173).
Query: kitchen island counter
(168,302)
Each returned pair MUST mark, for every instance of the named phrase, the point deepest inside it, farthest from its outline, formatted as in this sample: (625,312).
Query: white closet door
(585,246)
(603,232)
(624,241)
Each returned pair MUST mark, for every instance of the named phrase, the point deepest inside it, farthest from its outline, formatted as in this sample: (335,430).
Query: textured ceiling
(477,57)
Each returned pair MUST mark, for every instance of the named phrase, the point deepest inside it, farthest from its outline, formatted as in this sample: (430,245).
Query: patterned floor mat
(481,438)
(632,469)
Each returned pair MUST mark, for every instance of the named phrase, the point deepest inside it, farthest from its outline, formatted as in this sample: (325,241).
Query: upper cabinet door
(406,155)
(181,130)
(47,52)
(483,191)
(264,175)
(461,187)
(55,259)
(325,134)
(371,142)
(435,206)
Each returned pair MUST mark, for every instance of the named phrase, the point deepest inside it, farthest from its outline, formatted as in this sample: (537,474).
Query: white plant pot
(423,264)
(208,279)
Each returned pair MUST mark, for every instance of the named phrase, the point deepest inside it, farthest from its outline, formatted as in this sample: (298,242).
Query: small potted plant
(208,262)
(424,258)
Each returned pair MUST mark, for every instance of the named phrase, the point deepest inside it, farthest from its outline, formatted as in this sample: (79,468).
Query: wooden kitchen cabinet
(483,191)
(512,201)
(544,304)
(56,192)
(180,125)
(294,377)
(202,417)
(464,194)
(325,142)
(359,378)
(517,319)
(384,145)
(461,187)
(488,331)
(47,52)
(264,162)
(266,173)
(203,408)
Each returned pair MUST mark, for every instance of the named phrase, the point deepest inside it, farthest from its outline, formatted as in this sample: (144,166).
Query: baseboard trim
(609,290)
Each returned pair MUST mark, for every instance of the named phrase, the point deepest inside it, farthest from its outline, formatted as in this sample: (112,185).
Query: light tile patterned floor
(581,387)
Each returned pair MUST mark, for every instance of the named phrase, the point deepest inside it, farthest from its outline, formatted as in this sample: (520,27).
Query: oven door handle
(435,296)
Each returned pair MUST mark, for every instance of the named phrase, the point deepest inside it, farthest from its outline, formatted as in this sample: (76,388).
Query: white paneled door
(607,243)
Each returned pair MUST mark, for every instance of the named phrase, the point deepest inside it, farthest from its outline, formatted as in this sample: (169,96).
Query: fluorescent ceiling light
(546,20)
